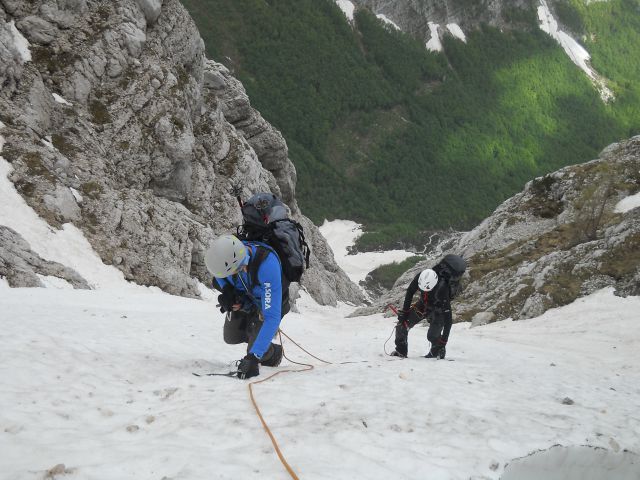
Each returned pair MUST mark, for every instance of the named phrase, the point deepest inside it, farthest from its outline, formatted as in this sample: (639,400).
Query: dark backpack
(452,267)
(265,220)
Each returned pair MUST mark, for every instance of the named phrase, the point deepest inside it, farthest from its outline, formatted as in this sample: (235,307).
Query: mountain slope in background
(387,133)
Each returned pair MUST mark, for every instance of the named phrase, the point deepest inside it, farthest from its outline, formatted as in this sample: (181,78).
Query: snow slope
(97,385)
(341,234)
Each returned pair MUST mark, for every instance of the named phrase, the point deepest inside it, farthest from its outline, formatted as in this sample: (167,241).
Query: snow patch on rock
(20,43)
(67,246)
(573,49)
(388,21)
(347,8)
(434,43)
(456,31)
(61,100)
(628,203)
(76,195)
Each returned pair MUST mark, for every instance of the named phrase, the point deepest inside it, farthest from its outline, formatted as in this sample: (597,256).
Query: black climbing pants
(243,327)
(439,328)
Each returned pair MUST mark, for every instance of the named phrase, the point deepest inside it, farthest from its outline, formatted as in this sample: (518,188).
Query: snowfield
(98,385)
(342,234)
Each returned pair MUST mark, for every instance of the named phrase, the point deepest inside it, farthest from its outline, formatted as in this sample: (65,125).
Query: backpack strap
(256,260)
(261,253)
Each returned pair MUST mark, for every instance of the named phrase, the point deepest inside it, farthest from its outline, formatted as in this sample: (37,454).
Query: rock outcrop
(21,267)
(565,236)
(414,16)
(114,120)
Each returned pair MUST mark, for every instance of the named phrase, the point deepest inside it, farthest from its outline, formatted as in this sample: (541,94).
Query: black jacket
(438,299)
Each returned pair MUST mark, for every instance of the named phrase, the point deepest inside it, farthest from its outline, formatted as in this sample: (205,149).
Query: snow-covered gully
(98,385)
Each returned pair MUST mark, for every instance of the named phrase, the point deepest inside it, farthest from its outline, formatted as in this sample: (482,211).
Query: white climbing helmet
(427,280)
(225,256)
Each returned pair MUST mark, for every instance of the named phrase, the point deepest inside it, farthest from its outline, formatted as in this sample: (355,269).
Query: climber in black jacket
(434,304)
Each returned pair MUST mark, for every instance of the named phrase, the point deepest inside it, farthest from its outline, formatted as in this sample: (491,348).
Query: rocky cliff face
(565,236)
(415,16)
(114,120)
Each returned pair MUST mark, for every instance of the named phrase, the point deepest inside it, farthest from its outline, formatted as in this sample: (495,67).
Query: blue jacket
(266,295)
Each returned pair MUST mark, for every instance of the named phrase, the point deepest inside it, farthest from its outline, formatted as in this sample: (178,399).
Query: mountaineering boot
(402,348)
(434,352)
(442,353)
(275,358)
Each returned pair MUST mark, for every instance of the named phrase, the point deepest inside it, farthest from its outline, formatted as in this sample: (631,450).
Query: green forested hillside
(403,140)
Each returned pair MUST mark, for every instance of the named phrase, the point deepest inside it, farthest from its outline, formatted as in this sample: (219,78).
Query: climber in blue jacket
(250,279)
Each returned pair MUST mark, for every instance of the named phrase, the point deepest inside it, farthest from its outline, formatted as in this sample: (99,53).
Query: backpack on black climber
(265,220)
(453,267)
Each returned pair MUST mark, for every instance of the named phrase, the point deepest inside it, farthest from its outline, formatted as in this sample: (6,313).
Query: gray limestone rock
(21,267)
(63,204)
(414,16)
(482,318)
(153,136)
(559,239)
(266,141)
(38,30)
(151,9)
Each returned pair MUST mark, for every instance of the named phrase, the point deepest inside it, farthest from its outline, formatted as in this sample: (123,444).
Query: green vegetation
(405,141)
(612,37)
(570,16)
(383,277)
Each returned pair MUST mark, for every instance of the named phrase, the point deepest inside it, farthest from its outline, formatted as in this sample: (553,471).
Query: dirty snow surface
(98,385)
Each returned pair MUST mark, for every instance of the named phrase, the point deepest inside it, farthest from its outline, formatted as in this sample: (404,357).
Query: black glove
(248,367)
(227,298)
(402,315)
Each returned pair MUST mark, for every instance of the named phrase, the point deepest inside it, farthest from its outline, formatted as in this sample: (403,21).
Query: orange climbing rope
(309,367)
